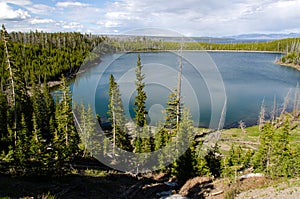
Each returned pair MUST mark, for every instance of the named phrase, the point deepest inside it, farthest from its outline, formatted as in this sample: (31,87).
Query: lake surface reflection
(247,80)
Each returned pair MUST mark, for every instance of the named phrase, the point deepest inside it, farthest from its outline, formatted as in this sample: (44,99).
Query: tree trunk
(12,85)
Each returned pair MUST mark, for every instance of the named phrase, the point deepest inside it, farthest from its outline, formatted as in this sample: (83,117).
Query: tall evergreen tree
(88,134)
(161,137)
(11,69)
(213,160)
(282,159)
(140,108)
(66,131)
(22,151)
(38,146)
(49,110)
(18,96)
(171,111)
(262,157)
(116,112)
(40,110)
(185,166)
(140,99)
(3,124)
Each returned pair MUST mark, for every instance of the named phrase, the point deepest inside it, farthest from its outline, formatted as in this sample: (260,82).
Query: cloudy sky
(188,17)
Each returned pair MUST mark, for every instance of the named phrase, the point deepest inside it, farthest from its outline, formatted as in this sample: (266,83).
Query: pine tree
(185,134)
(282,158)
(3,124)
(22,151)
(10,68)
(171,111)
(140,108)
(94,136)
(37,147)
(49,111)
(161,138)
(117,116)
(140,99)
(213,160)
(40,110)
(147,140)
(262,157)
(138,145)
(66,131)
(87,131)
(237,160)
(66,139)
(59,155)
(18,96)
(185,166)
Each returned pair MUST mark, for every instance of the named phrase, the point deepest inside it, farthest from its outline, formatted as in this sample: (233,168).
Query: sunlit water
(248,79)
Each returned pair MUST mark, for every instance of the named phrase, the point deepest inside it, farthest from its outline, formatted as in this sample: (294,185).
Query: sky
(214,18)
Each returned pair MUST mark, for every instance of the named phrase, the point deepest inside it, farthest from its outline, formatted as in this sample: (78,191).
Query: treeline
(146,44)
(290,47)
(47,56)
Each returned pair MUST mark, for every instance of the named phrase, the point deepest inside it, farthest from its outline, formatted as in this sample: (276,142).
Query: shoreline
(241,51)
(53,84)
(294,66)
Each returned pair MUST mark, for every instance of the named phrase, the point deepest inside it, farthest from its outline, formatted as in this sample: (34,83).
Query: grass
(295,136)
(94,173)
(252,133)
(249,139)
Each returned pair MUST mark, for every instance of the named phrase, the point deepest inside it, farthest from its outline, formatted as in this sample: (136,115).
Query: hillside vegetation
(144,43)
(47,56)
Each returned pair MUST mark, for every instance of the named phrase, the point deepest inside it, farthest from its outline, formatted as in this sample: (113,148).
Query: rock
(175,196)
(164,193)
(171,184)
(194,185)
(250,175)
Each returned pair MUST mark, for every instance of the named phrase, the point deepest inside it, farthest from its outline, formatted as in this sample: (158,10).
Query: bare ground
(287,190)
(119,185)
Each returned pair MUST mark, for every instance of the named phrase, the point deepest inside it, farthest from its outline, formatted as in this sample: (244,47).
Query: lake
(214,84)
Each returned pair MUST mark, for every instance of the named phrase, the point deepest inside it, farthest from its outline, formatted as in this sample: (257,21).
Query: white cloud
(204,18)
(40,9)
(17,2)
(189,17)
(70,25)
(41,21)
(8,13)
(66,4)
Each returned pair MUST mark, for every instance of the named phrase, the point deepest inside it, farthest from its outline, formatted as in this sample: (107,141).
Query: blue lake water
(213,83)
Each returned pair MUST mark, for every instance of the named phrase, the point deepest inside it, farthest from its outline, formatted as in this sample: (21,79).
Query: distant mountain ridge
(264,36)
